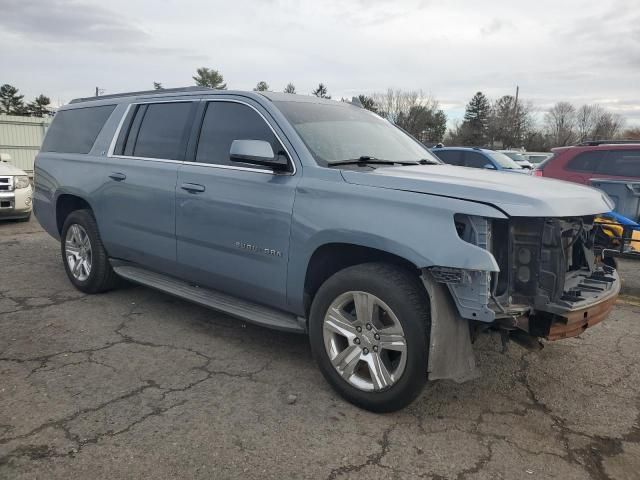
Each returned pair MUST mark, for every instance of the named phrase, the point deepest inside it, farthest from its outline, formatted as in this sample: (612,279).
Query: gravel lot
(137,384)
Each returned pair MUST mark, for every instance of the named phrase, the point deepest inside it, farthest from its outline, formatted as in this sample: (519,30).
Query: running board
(236,307)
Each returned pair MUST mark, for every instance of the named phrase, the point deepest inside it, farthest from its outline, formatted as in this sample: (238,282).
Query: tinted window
(163,131)
(623,163)
(75,131)
(586,161)
(452,157)
(225,122)
(475,160)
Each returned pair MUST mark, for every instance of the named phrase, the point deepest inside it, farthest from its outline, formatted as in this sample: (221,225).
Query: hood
(516,195)
(8,169)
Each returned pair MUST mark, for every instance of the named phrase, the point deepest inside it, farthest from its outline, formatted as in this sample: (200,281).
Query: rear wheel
(369,329)
(84,257)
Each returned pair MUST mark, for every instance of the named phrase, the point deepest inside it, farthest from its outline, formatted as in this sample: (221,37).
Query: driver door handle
(193,187)
(117,176)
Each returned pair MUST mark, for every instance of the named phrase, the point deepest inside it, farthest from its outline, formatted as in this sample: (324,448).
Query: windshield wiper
(367,159)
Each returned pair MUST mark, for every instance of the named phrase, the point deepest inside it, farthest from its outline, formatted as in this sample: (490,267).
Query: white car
(518,157)
(15,192)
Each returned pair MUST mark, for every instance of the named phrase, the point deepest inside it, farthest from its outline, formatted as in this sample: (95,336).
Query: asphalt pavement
(137,384)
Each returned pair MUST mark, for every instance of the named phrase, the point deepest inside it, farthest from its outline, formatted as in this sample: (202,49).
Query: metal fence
(21,138)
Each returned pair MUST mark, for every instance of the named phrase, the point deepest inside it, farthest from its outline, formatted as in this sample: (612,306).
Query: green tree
(11,102)
(158,86)
(39,107)
(368,103)
(208,77)
(424,122)
(321,91)
(262,86)
(476,120)
(290,88)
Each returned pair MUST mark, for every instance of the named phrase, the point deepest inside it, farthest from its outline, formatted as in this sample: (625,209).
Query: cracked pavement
(137,384)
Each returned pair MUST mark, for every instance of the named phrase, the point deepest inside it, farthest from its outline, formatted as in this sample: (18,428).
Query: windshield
(504,161)
(341,132)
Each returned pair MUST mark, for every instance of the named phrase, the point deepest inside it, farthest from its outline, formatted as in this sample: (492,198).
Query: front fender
(417,227)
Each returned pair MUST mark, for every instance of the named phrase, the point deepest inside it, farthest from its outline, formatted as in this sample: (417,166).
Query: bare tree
(608,126)
(586,117)
(290,88)
(560,121)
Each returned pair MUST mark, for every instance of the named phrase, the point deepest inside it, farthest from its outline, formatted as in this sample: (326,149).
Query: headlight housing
(20,181)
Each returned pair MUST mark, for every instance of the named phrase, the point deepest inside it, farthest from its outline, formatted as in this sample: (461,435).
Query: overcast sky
(580,51)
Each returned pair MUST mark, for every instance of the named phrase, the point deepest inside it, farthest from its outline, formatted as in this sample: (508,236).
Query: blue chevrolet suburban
(320,217)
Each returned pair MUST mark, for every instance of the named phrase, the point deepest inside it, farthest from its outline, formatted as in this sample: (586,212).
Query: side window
(623,163)
(475,160)
(451,157)
(76,130)
(159,130)
(586,161)
(225,122)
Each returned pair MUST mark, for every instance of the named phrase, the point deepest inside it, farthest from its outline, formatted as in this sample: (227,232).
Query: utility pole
(516,120)
(97,91)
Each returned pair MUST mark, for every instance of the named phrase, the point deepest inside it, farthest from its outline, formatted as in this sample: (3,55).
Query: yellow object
(614,231)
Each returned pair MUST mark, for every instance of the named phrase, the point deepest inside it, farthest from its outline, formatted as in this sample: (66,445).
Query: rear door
(233,220)
(137,200)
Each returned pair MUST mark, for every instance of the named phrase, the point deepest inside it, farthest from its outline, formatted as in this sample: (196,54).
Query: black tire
(403,292)
(102,277)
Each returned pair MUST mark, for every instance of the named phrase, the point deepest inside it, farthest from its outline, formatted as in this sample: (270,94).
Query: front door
(233,220)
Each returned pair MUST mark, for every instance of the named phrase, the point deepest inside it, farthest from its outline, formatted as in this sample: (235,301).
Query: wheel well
(67,204)
(331,258)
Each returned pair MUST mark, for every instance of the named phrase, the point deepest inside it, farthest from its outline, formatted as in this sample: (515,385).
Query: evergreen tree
(39,107)
(262,86)
(208,77)
(10,102)
(476,120)
(290,88)
(368,103)
(321,91)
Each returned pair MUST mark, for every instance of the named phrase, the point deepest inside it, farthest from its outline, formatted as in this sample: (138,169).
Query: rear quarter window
(452,157)
(76,130)
(586,161)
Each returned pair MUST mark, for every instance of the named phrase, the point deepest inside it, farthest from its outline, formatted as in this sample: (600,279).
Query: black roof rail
(595,143)
(142,92)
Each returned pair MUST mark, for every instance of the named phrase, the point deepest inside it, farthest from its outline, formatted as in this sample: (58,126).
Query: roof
(464,149)
(195,90)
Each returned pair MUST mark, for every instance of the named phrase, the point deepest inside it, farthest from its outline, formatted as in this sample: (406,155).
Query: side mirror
(490,166)
(257,152)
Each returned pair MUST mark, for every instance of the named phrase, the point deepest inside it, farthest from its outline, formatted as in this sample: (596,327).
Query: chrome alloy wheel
(364,341)
(78,253)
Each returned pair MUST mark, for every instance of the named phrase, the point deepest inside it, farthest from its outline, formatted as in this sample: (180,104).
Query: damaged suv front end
(550,284)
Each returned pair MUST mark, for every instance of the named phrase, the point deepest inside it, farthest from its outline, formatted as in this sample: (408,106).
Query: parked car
(477,158)
(518,157)
(537,157)
(583,162)
(15,192)
(320,217)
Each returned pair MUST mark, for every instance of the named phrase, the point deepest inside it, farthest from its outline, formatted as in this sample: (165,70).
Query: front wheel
(369,330)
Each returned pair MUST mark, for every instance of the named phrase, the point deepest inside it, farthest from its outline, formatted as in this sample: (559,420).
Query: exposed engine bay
(550,283)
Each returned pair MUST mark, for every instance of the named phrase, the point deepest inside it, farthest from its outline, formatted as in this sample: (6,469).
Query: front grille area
(6,184)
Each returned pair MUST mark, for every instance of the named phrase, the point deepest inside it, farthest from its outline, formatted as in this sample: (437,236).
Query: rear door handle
(117,176)
(193,187)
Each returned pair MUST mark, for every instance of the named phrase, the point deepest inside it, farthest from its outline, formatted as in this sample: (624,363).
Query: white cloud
(574,50)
